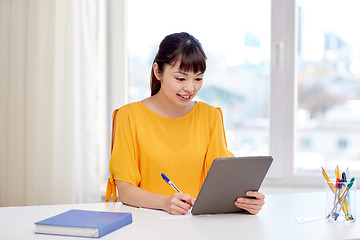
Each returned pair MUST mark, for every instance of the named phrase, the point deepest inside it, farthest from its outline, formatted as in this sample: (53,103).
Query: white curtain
(55,108)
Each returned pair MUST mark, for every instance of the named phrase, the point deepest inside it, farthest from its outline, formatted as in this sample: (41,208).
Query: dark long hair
(178,46)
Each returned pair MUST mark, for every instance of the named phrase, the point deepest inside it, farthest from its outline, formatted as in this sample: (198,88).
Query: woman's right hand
(179,203)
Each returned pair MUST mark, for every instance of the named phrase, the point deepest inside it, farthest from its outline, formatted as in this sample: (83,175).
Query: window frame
(284,99)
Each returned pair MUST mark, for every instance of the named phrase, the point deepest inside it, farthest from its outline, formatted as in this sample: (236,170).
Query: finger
(178,210)
(251,201)
(249,206)
(255,194)
(184,205)
(180,201)
(253,206)
(252,209)
(188,199)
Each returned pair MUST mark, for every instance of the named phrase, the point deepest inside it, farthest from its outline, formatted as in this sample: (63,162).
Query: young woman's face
(179,86)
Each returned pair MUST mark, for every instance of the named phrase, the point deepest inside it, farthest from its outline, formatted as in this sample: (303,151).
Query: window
(329,82)
(288,81)
(236,38)
(306,144)
(342,144)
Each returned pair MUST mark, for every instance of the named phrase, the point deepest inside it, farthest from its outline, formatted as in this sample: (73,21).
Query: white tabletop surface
(277,220)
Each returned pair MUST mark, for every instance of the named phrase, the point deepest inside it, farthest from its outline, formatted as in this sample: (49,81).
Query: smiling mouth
(185,96)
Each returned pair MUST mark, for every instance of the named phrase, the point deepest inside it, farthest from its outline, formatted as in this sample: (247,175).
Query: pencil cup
(340,201)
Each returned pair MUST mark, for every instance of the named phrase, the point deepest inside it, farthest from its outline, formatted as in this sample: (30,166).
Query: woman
(169,133)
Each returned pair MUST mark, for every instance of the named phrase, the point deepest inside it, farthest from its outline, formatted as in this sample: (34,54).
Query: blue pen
(167,180)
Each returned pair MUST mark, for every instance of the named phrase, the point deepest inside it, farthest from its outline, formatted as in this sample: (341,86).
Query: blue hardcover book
(83,223)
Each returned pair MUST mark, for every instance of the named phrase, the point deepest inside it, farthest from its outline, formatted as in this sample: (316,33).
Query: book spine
(106,229)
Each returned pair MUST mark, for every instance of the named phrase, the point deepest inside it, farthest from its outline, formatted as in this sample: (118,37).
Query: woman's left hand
(252,205)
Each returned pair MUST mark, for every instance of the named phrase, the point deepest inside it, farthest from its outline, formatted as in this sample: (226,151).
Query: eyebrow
(184,73)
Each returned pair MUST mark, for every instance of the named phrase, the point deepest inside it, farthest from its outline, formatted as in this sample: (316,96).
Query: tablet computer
(228,179)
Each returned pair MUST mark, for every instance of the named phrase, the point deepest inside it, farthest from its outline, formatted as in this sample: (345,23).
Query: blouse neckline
(160,116)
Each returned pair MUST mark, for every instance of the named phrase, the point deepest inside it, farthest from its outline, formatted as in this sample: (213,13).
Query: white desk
(275,221)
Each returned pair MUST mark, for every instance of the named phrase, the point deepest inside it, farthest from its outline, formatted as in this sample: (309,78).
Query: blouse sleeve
(124,165)
(218,145)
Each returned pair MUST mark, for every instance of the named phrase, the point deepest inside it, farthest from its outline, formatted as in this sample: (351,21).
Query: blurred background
(285,73)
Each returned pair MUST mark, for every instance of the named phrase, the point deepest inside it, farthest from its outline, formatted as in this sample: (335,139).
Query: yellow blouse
(146,144)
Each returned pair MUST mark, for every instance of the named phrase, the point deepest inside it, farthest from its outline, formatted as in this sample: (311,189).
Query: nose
(189,87)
